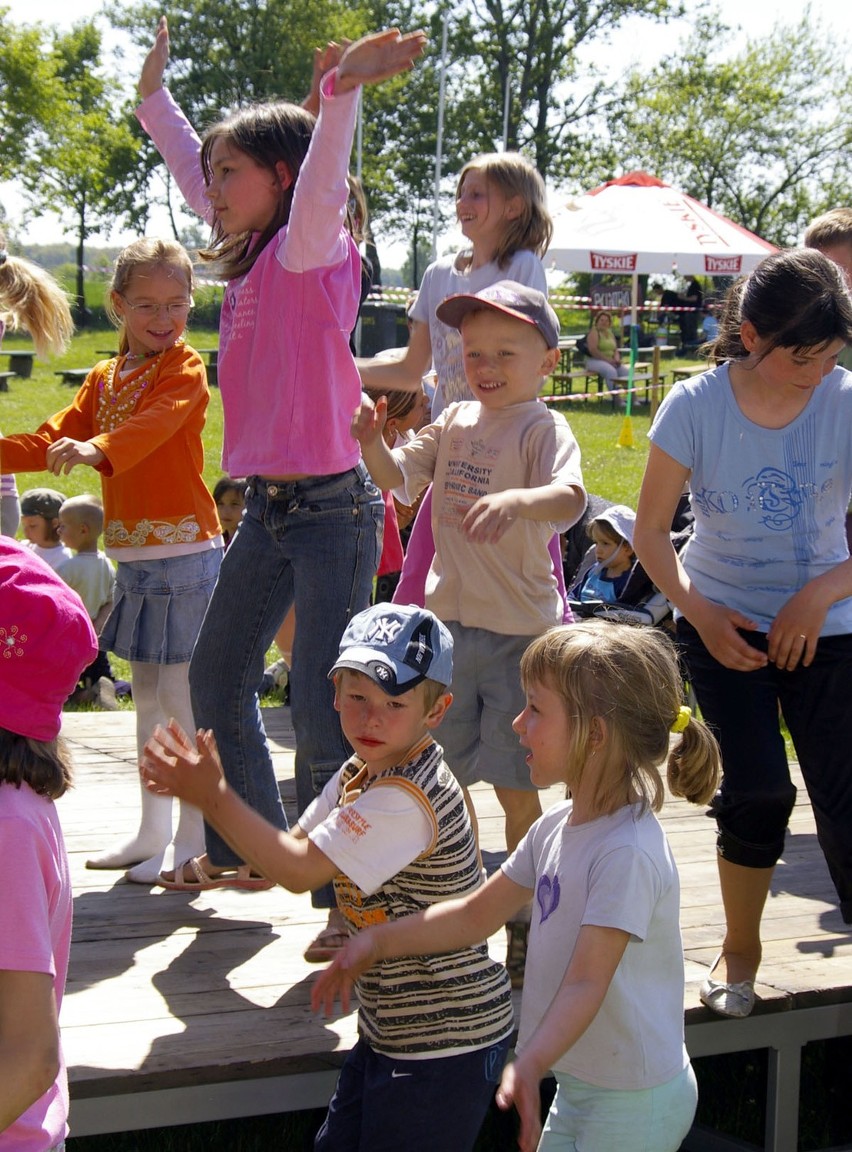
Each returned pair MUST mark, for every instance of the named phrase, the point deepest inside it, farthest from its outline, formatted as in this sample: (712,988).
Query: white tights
(160,693)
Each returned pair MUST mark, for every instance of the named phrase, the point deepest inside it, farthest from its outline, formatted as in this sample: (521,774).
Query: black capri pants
(757,795)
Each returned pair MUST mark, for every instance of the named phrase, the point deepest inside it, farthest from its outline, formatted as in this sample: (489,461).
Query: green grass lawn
(609,470)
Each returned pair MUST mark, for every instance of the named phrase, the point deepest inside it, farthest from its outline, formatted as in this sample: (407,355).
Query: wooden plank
(175,989)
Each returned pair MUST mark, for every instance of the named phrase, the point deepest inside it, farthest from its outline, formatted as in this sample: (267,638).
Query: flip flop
(238,876)
(326,945)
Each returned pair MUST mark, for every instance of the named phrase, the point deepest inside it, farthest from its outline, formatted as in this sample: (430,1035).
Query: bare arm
(717,625)
(102,616)
(442,928)
(29,1041)
(406,373)
(171,765)
(154,65)
(596,956)
(794,632)
(324,60)
(487,520)
(366,428)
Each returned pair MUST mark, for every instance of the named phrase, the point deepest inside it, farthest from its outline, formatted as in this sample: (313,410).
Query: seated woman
(604,357)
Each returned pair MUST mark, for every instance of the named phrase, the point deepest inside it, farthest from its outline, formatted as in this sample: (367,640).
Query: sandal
(236,876)
(518,932)
(326,945)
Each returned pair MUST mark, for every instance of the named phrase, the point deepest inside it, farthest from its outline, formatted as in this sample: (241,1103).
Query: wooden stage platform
(185,1007)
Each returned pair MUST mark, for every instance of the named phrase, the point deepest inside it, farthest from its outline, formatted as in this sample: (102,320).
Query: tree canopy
(762,136)
(761,133)
(77,159)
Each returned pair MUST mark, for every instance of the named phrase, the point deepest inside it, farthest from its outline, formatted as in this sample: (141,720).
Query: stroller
(640,602)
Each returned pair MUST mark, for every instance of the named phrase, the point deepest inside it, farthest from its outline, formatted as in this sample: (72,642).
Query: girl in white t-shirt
(603,996)
(501,208)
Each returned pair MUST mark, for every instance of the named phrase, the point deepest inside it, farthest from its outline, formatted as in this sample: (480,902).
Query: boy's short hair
(87,509)
(512,299)
(44,502)
(619,519)
(397,646)
(834,227)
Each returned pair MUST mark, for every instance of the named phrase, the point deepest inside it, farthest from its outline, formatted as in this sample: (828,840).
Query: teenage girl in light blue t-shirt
(764,587)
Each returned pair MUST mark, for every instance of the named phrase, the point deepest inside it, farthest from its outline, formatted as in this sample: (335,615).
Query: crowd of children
(467,665)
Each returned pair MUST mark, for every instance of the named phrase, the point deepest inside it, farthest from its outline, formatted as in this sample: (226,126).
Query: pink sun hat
(46,640)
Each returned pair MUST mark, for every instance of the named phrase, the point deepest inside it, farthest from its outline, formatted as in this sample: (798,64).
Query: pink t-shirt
(288,380)
(35,935)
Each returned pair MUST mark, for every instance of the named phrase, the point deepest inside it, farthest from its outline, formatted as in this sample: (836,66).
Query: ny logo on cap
(384,630)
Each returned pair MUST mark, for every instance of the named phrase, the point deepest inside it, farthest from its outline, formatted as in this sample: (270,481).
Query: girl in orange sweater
(137,420)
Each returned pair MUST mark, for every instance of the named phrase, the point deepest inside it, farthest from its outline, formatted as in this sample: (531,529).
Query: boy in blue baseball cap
(392,830)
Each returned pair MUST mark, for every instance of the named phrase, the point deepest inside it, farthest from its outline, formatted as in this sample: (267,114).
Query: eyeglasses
(149,311)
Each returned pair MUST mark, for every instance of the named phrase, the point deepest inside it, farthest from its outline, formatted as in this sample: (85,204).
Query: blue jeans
(315,542)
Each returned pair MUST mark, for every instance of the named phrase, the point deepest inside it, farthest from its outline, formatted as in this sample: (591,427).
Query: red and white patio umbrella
(638,224)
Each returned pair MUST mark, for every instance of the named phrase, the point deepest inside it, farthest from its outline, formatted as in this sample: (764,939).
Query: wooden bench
(562,381)
(5,377)
(21,362)
(72,376)
(687,371)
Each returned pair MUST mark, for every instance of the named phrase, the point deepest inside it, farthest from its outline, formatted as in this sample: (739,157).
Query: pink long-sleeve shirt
(288,380)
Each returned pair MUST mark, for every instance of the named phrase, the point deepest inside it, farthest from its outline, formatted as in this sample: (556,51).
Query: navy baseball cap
(398,646)
(510,298)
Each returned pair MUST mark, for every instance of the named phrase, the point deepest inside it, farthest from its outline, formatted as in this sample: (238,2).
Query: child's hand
(64,453)
(489,518)
(172,766)
(369,420)
(359,954)
(378,57)
(324,60)
(520,1086)
(151,78)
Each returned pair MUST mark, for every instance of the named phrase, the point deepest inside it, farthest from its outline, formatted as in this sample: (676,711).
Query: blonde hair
(627,677)
(88,510)
(514,175)
(833,227)
(144,253)
(31,299)
(400,403)
(432,692)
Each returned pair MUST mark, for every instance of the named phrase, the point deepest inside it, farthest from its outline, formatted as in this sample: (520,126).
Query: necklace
(117,398)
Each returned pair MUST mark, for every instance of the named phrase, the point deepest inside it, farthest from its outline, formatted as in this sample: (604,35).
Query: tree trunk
(81,312)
